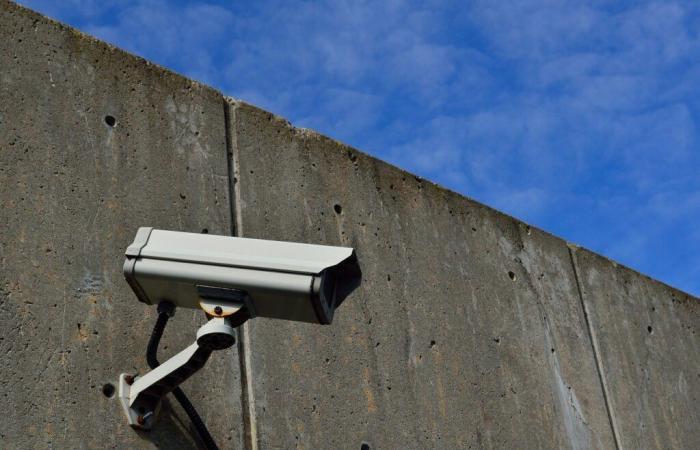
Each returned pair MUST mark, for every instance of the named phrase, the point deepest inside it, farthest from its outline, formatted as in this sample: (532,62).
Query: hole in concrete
(205,230)
(432,344)
(649,329)
(511,275)
(110,120)
(337,208)
(364,446)
(108,390)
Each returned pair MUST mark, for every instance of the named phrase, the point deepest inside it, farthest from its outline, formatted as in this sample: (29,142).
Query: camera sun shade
(282,280)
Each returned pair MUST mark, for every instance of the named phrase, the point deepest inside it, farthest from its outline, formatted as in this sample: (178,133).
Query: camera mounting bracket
(140,396)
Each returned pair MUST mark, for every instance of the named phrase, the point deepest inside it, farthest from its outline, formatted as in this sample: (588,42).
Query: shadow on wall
(172,430)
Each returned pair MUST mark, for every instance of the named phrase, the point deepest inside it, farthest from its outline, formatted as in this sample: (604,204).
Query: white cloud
(158,31)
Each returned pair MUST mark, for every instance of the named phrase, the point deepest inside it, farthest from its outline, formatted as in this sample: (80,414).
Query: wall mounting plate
(147,418)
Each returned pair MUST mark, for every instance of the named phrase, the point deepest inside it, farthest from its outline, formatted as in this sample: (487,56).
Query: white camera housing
(231,279)
(282,280)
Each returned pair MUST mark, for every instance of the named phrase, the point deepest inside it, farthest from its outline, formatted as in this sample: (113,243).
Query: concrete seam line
(246,369)
(230,168)
(594,345)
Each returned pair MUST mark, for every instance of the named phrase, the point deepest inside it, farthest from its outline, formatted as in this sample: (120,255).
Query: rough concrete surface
(73,191)
(648,338)
(468,329)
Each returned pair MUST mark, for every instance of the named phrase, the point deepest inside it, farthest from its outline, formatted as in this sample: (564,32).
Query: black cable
(165,310)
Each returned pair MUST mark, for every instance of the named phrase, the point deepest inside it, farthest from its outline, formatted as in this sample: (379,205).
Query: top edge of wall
(12,7)
(305,133)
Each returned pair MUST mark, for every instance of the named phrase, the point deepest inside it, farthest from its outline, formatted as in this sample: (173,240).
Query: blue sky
(578,117)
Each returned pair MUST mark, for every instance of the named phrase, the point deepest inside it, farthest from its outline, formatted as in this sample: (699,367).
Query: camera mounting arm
(140,396)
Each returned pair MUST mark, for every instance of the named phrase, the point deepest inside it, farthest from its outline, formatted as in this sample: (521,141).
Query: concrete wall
(647,336)
(471,329)
(440,347)
(73,191)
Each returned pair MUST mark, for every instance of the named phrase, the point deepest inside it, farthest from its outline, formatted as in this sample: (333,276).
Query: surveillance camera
(282,280)
(231,279)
